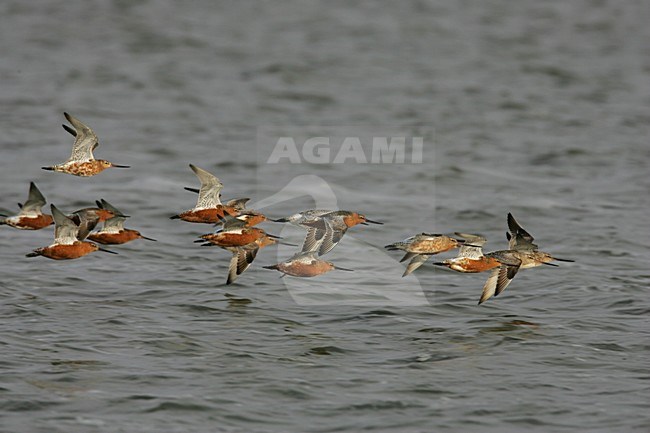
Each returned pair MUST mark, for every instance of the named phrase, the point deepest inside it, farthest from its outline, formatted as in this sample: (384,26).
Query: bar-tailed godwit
(325,228)
(82,162)
(66,246)
(30,217)
(113,231)
(208,209)
(305,264)
(243,256)
(235,233)
(251,217)
(88,218)
(523,254)
(420,248)
(237,204)
(470,258)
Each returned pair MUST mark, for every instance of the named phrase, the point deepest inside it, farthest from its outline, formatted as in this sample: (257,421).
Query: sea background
(541,109)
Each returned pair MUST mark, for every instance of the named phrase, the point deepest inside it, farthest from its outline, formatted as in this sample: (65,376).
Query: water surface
(536,109)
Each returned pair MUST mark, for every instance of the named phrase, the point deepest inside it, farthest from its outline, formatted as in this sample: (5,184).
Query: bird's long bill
(279,220)
(120,166)
(564,260)
(273,236)
(288,244)
(374,222)
(550,264)
(149,239)
(343,269)
(106,251)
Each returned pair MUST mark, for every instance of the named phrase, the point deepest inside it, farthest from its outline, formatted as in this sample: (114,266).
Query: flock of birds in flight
(238,233)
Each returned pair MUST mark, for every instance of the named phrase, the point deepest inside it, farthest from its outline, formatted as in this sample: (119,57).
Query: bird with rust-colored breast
(66,245)
(235,233)
(113,231)
(244,242)
(236,205)
(31,216)
(305,265)
(87,219)
(522,254)
(325,228)
(420,248)
(470,258)
(82,162)
(251,217)
(243,256)
(209,209)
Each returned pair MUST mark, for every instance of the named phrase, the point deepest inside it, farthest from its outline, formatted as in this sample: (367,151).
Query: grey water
(541,109)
